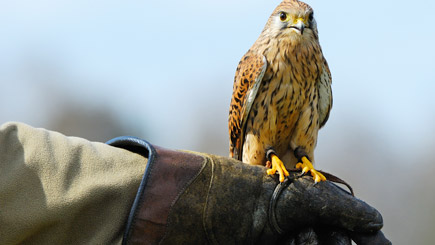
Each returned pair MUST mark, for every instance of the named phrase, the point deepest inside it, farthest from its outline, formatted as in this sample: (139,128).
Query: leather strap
(335,179)
(281,186)
(272,205)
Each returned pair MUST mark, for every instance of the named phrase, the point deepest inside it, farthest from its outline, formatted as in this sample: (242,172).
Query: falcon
(282,94)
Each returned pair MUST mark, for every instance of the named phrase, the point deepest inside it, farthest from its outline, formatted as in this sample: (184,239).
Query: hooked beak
(299,25)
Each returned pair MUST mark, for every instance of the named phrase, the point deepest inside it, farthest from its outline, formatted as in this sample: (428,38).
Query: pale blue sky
(380,54)
(169,66)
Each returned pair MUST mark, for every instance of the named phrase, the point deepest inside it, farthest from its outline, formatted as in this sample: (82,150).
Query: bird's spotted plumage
(282,89)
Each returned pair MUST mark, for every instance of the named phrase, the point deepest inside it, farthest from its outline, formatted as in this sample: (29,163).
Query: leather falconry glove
(195,198)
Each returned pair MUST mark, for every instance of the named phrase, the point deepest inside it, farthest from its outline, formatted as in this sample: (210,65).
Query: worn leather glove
(194,198)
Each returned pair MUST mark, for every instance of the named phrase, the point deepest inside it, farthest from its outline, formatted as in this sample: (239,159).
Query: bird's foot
(306,166)
(277,165)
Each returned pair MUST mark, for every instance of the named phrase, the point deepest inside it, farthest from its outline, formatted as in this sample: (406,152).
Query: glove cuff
(166,176)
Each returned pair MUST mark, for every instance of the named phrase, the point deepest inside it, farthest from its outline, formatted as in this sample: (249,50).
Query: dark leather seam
(183,190)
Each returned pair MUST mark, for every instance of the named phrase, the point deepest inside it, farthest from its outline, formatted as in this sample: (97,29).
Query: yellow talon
(306,166)
(278,165)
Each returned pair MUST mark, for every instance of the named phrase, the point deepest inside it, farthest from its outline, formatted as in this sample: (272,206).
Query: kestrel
(282,94)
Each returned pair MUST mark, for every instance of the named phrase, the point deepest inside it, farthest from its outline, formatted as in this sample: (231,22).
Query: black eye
(283,16)
(311,17)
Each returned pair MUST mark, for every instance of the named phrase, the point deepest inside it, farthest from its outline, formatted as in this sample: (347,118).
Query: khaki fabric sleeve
(63,190)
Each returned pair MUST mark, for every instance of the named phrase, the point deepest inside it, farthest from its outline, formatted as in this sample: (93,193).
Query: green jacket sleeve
(63,190)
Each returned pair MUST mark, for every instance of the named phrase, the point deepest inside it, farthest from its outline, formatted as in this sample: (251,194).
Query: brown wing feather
(249,74)
(325,94)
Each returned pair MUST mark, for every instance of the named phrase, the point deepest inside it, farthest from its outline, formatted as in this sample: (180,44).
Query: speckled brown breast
(288,89)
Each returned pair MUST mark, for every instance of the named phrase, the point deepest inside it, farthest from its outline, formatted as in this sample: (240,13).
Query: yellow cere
(299,19)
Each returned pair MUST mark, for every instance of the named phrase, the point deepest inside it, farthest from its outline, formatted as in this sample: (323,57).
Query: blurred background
(163,71)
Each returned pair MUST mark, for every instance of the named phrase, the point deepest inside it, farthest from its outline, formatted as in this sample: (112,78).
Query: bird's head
(292,19)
